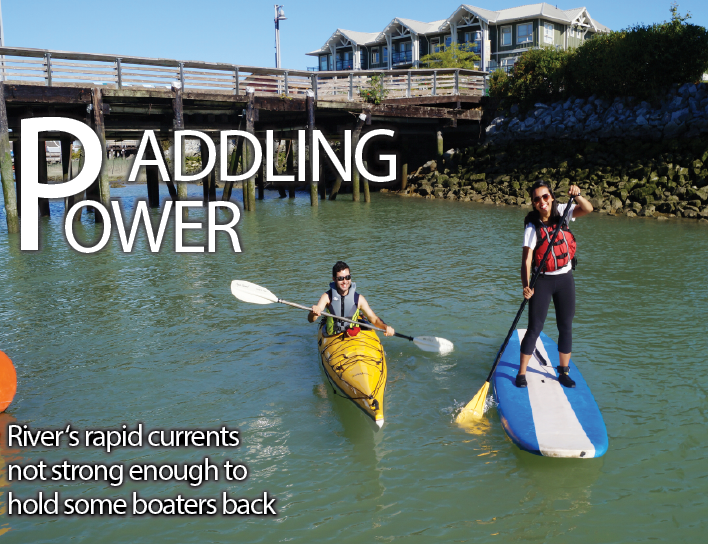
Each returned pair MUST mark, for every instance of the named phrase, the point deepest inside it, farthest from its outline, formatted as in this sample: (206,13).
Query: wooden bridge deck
(122,96)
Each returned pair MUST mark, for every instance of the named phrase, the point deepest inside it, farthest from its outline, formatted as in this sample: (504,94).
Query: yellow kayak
(356,366)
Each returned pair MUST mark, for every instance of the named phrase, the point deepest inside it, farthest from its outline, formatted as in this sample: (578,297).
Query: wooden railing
(63,68)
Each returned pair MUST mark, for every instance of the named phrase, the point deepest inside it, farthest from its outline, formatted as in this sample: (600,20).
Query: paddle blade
(433,343)
(250,292)
(475,408)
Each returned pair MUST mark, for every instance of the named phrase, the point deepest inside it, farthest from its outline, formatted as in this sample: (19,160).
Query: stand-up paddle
(475,408)
(255,294)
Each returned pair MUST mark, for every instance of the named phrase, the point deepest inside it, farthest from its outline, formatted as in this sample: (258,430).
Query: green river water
(119,338)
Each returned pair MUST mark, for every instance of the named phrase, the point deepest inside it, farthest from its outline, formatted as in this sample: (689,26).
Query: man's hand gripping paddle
(255,294)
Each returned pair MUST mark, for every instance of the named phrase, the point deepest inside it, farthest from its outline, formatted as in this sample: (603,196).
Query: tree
(451,56)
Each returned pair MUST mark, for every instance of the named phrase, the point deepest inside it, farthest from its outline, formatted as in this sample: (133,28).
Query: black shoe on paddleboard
(521,380)
(564,378)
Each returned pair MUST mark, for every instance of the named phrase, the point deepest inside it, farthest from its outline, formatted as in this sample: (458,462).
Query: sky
(242,32)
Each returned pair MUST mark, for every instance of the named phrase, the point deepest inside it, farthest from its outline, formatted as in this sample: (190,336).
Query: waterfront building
(498,37)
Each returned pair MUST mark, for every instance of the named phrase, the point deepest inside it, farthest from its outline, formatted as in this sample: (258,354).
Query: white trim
(546,25)
(530,36)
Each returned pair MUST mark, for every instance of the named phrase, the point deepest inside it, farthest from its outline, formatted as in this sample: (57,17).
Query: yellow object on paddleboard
(356,367)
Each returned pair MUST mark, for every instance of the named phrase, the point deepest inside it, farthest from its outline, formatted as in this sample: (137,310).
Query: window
(507,64)
(323,63)
(448,41)
(385,53)
(506,35)
(375,55)
(469,37)
(524,33)
(406,46)
(548,33)
(434,45)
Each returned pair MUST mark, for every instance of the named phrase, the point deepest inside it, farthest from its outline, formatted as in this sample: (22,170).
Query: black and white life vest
(343,306)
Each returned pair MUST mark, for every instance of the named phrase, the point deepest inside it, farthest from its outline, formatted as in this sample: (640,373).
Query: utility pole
(279,16)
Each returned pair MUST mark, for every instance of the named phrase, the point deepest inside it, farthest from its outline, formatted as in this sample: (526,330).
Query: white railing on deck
(63,68)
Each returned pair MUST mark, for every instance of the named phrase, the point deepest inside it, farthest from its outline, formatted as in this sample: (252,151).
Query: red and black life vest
(563,247)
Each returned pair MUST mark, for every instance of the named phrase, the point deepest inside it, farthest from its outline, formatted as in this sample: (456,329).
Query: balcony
(345,64)
(402,57)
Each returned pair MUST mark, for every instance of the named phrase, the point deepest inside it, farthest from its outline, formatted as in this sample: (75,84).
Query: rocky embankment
(631,159)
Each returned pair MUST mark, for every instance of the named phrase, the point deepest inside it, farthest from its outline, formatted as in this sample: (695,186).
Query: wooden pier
(120,97)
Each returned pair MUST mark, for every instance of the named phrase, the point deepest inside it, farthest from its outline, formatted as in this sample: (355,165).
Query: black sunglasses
(342,278)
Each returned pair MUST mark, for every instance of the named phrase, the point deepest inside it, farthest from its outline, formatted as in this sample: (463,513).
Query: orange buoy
(8,381)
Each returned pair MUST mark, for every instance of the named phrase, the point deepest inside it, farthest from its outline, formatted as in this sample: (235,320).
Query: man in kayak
(343,300)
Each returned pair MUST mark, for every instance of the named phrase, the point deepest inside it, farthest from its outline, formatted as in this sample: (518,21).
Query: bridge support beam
(356,133)
(261,174)
(441,147)
(208,179)
(249,186)
(311,143)
(404,167)
(99,126)
(169,181)
(152,175)
(290,167)
(178,124)
(42,178)
(233,167)
(67,174)
(335,188)
(323,182)
(8,185)
(365,183)
(17,148)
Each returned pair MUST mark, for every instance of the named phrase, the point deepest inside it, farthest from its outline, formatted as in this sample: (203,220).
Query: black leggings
(562,289)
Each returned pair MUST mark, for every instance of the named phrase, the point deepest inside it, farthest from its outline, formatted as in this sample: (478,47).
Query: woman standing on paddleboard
(556,280)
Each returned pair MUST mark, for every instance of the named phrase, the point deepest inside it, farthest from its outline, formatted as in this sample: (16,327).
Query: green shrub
(376,92)
(538,76)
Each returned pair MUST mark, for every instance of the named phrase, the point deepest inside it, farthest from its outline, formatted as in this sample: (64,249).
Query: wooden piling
(152,174)
(245,161)
(365,183)
(323,182)
(206,180)
(169,181)
(104,186)
(8,185)
(212,175)
(290,167)
(441,148)
(42,178)
(404,167)
(178,124)
(261,174)
(233,168)
(311,143)
(335,188)
(250,185)
(282,193)
(67,174)
(355,142)
(17,148)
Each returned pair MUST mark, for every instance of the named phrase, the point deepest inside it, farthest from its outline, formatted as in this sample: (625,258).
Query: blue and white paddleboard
(546,418)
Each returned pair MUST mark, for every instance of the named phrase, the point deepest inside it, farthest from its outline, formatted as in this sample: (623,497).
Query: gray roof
(357,38)
(528,11)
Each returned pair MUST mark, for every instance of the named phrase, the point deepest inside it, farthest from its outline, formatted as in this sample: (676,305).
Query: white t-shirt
(530,239)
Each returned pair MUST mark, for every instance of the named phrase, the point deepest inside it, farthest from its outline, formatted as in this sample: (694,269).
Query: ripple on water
(116,338)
